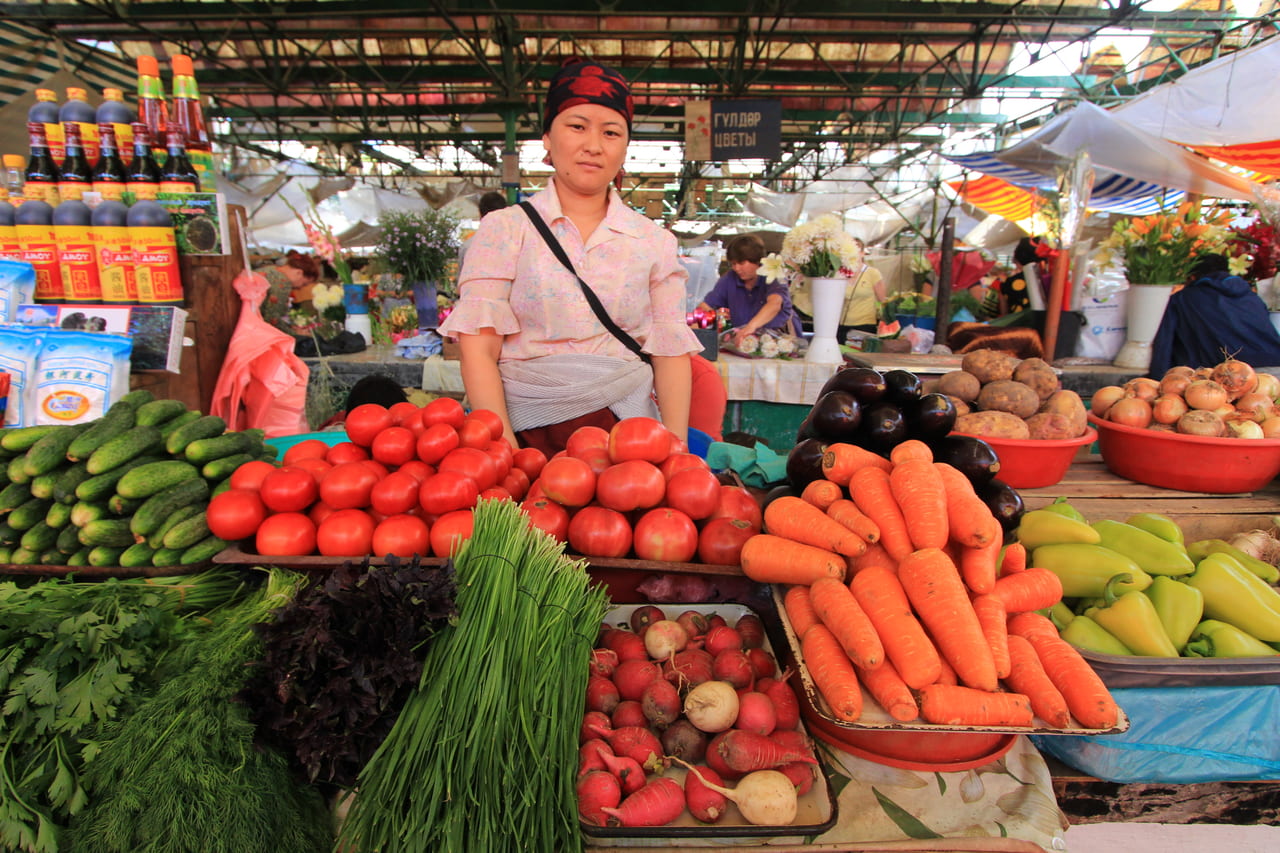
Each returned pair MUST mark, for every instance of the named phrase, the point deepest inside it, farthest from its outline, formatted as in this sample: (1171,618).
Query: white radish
(664,638)
(765,797)
(712,706)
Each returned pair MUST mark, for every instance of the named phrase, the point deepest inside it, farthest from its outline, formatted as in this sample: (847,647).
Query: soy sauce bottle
(75,176)
(178,175)
(143,179)
(109,177)
(40,181)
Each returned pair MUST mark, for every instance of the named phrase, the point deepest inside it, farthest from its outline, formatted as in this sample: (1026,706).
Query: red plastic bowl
(944,751)
(1189,463)
(1029,463)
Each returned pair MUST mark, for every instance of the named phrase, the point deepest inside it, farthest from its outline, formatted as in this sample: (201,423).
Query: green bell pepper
(1046,527)
(1234,595)
(1214,639)
(1083,633)
(1060,615)
(1063,507)
(1204,547)
(1132,619)
(1180,607)
(1154,555)
(1160,525)
(1085,569)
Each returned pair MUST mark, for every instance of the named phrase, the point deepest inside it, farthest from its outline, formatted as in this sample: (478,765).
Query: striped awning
(1260,157)
(993,195)
(1111,191)
(29,57)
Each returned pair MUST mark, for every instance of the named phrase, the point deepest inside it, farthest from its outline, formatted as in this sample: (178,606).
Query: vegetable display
(999,395)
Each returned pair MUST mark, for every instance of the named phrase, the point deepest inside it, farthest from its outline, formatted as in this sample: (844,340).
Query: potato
(989,365)
(1007,395)
(1051,426)
(962,406)
(993,424)
(1039,375)
(961,384)
(1067,402)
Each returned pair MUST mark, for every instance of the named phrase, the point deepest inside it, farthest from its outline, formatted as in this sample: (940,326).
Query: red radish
(785,703)
(660,702)
(711,706)
(716,761)
(705,804)
(693,622)
(644,616)
(629,713)
(793,739)
(658,803)
(715,620)
(682,739)
(762,663)
(627,645)
(633,676)
(627,771)
(597,791)
(763,684)
(747,752)
(664,638)
(591,755)
(688,668)
(638,743)
(801,775)
(756,714)
(731,665)
(594,724)
(602,694)
(603,662)
(751,629)
(722,638)
(765,797)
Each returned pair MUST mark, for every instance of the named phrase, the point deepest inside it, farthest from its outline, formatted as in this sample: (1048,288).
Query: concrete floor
(1171,838)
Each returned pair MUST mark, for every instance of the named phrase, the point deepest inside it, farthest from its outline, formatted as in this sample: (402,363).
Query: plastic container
(1189,463)
(1030,463)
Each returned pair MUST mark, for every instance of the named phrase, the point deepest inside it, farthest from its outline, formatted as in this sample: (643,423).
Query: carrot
(912,448)
(991,616)
(968,518)
(934,589)
(832,672)
(890,691)
(1028,677)
(1033,589)
(870,491)
(775,559)
(801,521)
(799,609)
(876,555)
(846,512)
(1028,623)
(918,489)
(1087,697)
(906,645)
(841,460)
(948,675)
(822,493)
(1014,559)
(954,705)
(840,611)
(978,565)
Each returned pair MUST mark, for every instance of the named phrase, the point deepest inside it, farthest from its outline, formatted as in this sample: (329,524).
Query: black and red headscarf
(585,82)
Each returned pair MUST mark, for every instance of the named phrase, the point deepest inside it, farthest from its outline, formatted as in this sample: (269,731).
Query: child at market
(753,303)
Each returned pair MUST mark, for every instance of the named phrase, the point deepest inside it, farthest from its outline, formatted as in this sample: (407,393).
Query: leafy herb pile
(182,773)
(73,657)
(340,660)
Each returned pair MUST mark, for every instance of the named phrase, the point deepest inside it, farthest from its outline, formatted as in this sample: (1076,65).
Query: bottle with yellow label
(110,232)
(143,178)
(77,260)
(34,223)
(109,177)
(178,175)
(155,254)
(114,112)
(40,180)
(9,248)
(76,110)
(75,175)
(45,111)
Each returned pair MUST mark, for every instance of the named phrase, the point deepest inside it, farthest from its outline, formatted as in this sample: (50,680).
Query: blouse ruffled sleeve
(670,333)
(484,291)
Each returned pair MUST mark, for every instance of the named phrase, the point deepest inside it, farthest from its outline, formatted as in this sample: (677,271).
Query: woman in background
(292,279)
(864,292)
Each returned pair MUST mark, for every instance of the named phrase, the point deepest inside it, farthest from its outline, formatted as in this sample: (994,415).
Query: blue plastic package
(17,287)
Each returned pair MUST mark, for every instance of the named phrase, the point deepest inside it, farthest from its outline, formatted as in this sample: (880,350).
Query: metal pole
(1053,303)
(943,296)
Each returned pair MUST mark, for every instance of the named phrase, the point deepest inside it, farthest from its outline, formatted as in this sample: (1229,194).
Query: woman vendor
(753,303)
(533,349)
(292,279)
(864,292)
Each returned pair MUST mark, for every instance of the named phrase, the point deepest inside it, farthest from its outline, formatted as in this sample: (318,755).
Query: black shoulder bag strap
(592,300)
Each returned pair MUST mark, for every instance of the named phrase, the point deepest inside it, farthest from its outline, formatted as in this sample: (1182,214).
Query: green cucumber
(158,412)
(16,470)
(64,490)
(136,555)
(117,420)
(269,453)
(137,398)
(220,488)
(68,541)
(24,557)
(204,450)
(29,514)
(8,536)
(167,428)
(205,549)
(186,533)
(148,517)
(156,539)
(79,558)
(166,557)
(130,445)
(50,452)
(51,557)
(58,516)
(112,532)
(42,485)
(118,505)
(6,554)
(105,555)
(220,469)
(98,488)
(39,537)
(206,426)
(153,478)
(21,439)
(84,512)
(13,496)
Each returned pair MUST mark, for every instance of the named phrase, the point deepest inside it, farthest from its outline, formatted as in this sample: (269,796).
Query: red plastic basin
(1029,463)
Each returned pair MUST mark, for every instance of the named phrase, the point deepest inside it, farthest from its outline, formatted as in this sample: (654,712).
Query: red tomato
(666,534)
(447,491)
(737,502)
(393,446)
(597,458)
(679,462)
(402,536)
(288,490)
(317,467)
(345,451)
(634,484)
(435,442)
(516,482)
(443,410)
(347,486)
(586,437)
(549,517)
(597,531)
(365,421)
(535,491)
(308,448)
(450,531)
(286,534)
(250,474)
(235,514)
(495,493)
(529,460)
(474,433)
(471,462)
(403,413)
(491,418)
(678,444)
(568,481)
(395,493)
(721,540)
(639,438)
(319,512)
(501,454)
(345,533)
(417,469)
(376,467)
(694,491)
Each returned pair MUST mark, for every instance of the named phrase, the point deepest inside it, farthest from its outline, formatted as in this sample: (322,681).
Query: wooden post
(945,271)
(1053,303)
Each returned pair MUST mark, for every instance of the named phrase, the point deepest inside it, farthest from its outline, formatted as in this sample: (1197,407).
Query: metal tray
(816,812)
(96,572)
(876,717)
(1132,671)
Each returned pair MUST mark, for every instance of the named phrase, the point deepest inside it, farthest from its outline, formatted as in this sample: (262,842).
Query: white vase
(1146,309)
(828,303)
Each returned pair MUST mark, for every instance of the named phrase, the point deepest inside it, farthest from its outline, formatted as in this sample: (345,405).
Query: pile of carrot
(899,584)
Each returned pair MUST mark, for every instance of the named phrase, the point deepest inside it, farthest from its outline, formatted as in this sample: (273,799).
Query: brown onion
(1269,384)
(1259,406)
(1180,370)
(1174,383)
(1244,428)
(1168,408)
(1236,376)
(1103,398)
(1271,427)
(1130,411)
(1143,388)
(1201,422)
(1224,411)
(1202,373)
(1205,394)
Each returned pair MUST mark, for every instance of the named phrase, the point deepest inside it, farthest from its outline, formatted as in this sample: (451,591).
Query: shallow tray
(1127,671)
(816,810)
(90,572)
(876,717)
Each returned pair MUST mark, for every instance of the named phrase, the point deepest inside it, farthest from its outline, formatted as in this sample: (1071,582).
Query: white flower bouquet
(819,248)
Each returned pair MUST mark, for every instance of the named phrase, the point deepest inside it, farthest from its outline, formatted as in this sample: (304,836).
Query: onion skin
(1244,429)
(1168,408)
(1235,376)
(1205,394)
(1104,398)
(1174,384)
(1203,423)
(1269,384)
(1131,411)
(1143,388)
(1258,406)
(1271,427)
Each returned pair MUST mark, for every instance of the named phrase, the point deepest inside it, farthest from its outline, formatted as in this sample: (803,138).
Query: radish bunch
(698,691)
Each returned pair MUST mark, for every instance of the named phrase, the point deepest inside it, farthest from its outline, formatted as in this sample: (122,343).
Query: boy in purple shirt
(753,303)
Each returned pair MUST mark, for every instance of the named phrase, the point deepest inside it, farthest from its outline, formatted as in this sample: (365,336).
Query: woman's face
(296,277)
(587,144)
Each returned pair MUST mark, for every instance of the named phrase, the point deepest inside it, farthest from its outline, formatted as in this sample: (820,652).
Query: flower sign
(1163,247)
(817,249)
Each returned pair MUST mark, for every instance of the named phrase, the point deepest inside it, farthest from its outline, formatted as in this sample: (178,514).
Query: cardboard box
(157,330)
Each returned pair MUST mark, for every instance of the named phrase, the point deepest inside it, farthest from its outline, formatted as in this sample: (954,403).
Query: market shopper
(864,293)
(291,279)
(753,303)
(533,348)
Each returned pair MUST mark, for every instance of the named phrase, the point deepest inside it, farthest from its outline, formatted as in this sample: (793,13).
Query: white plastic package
(17,287)
(19,349)
(79,375)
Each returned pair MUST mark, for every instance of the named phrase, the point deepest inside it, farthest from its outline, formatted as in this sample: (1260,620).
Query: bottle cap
(112,95)
(148,66)
(74,94)
(14,161)
(182,66)
(46,95)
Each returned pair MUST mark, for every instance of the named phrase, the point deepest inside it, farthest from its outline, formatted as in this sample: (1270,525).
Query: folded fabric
(757,466)
(420,346)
